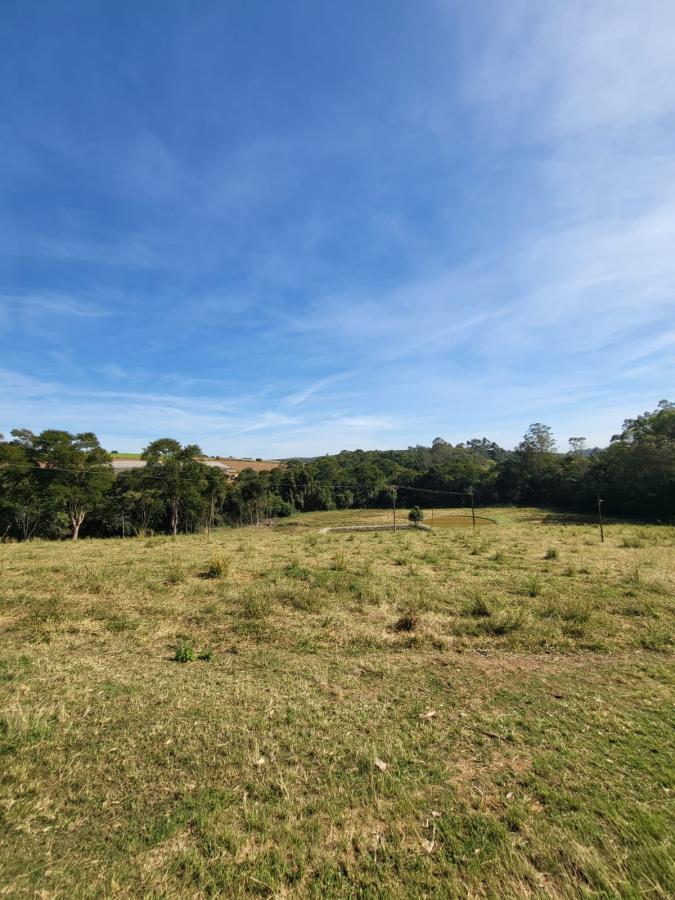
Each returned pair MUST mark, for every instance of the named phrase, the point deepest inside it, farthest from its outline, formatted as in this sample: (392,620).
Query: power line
(400,487)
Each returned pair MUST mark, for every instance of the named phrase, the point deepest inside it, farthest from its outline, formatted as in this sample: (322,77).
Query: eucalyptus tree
(72,472)
(215,490)
(177,476)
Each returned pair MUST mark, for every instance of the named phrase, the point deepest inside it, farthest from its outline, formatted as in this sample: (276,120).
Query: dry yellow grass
(516,686)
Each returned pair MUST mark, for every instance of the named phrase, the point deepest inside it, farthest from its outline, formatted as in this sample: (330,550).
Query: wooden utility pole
(393,504)
(602,530)
(473,510)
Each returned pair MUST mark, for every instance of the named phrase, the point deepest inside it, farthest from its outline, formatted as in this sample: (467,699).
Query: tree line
(55,484)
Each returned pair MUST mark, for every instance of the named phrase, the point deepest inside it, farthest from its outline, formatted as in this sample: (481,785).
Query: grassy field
(435,714)
(238,464)
(258,465)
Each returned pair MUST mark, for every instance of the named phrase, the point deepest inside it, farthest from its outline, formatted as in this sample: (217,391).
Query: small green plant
(430,557)
(121,622)
(551,553)
(295,570)
(206,655)
(184,653)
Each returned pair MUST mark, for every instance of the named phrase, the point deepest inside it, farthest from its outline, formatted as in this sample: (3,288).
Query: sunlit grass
(281,712)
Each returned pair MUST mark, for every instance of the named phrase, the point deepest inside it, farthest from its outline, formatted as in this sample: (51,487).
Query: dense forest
(56,484)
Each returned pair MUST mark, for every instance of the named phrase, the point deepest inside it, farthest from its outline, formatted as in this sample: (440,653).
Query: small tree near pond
(416,515)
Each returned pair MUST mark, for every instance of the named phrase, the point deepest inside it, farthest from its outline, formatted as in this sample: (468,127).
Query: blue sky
(289,228)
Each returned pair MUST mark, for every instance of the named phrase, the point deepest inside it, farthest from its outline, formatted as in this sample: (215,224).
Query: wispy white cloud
(299,397)
(53,304)
(509,258)
(371,423)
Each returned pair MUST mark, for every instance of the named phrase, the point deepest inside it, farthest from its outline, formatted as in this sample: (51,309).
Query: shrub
(416,515)
(551,553)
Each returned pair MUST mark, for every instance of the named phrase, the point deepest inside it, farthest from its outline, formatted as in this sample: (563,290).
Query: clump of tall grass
(339,560)
(429,557)
(300,597)
(409,621)
(478,607)
(295,570)
(532,586)
(253,606)
(503,622)
(654,638)
(175,572)
(479,546)
(551,553)
(218,566)
(571,609)
(636,582)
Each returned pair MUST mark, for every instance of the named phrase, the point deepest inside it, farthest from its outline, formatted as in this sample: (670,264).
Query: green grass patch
(317,720)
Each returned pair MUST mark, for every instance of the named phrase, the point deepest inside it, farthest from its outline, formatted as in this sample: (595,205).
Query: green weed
(184,653)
